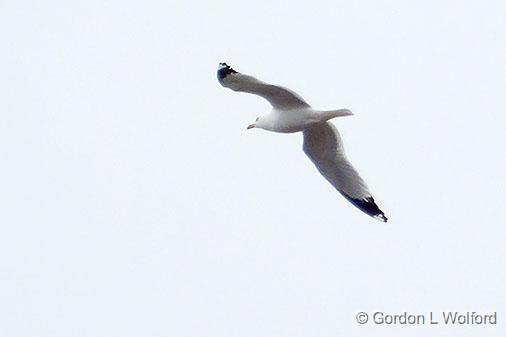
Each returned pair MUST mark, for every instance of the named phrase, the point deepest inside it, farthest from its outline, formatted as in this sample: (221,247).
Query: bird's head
(257,124)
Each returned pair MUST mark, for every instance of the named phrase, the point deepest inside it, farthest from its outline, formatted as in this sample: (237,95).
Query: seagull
(322,142)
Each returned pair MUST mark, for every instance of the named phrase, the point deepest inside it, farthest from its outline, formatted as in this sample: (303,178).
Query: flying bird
(322,142)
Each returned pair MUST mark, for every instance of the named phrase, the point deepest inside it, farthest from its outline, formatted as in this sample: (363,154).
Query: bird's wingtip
(381,217)
(368,206)
(224,70)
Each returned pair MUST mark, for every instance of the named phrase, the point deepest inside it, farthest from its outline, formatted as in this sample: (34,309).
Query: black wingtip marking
(368,206)
(224,70)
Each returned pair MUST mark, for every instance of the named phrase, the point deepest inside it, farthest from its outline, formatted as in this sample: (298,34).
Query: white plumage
(322,142)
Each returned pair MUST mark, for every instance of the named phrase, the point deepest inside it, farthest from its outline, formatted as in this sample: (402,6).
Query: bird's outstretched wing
(323,146)
(279,97)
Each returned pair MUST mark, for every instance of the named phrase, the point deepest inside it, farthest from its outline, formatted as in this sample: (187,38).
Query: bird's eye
(256,120)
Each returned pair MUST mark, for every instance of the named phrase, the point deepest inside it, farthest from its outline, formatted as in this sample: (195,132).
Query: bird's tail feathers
(329,114)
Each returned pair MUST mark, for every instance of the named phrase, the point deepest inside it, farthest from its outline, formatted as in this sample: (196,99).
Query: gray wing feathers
(279,97)
(323,145)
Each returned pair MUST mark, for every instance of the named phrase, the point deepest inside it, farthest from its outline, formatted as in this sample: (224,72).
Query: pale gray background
(134,203)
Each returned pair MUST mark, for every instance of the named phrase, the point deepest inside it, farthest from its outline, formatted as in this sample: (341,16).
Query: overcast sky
(134,203)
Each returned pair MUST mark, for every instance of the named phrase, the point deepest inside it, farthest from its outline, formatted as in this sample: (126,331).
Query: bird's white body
(322,142)
(297,119)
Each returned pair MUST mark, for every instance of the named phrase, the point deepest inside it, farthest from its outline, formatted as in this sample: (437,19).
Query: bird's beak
(251,126)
